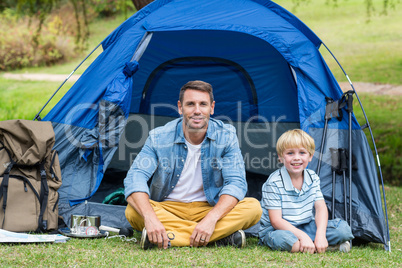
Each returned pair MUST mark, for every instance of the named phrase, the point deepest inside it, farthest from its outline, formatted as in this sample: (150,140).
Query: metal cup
(85,225)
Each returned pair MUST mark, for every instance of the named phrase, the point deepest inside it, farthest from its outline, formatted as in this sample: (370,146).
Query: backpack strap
(4,187)
(56,203)
(51,165)
(4,183)
(44,194)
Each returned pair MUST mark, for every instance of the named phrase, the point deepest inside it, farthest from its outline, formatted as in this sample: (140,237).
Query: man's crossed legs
(180,219)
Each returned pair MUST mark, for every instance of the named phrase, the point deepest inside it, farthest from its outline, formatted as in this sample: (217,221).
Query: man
(198,183)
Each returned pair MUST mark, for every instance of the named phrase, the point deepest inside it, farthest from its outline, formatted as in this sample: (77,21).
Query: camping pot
(81,224)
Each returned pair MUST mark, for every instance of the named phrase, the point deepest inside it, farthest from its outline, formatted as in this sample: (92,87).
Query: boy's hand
(321,244)
(321,220)
(306,244)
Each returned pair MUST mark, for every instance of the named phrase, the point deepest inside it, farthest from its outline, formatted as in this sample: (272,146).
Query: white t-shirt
(190,187)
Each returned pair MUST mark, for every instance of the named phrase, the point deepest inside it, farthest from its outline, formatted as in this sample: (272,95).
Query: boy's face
(295,160)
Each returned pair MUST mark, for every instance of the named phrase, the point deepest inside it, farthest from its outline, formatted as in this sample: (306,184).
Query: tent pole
(350,112)
(322,146)
(343,167)
(387,247)
(142,46)
(327,117)
(37,116)
(335,167)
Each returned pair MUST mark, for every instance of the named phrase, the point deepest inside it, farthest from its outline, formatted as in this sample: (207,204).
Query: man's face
(196,109)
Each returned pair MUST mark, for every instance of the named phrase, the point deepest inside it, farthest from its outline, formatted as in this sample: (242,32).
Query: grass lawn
(369,51)
(382,113)
(24,99)
(115,252)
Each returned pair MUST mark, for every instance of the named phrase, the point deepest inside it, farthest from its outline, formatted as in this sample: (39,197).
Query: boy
(288,198)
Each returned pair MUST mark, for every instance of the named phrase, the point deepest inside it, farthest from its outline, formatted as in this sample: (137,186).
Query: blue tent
(268,76)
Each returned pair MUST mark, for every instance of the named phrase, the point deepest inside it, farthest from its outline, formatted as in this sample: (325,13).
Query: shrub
(61,37)
(17,48)
(56,44)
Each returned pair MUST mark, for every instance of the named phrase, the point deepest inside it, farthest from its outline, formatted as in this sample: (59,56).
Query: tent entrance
(198,68)
(252,81)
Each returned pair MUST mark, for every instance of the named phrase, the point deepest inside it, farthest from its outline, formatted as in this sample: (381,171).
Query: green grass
(369,51)
(382,112)
(114,252)
(24,99)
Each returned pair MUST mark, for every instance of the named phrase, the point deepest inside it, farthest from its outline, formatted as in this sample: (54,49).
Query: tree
(39,9)
(82,31)
(140,3)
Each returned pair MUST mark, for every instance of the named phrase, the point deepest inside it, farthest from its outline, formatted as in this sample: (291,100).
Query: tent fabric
(238,16)
(84,151)
(268,76)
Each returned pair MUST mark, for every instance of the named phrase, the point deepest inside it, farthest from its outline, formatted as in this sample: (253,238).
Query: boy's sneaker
(237,239)
(343,247)
(144,243)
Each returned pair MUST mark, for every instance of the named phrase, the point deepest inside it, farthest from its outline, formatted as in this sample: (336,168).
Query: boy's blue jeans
(338,231)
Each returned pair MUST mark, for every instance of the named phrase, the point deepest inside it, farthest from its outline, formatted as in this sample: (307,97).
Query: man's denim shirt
(163,156)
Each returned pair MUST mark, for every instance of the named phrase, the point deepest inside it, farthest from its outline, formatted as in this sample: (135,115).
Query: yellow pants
(181,218)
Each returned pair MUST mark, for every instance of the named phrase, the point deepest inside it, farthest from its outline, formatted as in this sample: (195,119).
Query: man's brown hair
(197,85)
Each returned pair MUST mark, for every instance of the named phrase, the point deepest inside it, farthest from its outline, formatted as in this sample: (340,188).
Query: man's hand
(202,233)
(205,228)
(156,233)
(306,244)
(155,230)
(321,244)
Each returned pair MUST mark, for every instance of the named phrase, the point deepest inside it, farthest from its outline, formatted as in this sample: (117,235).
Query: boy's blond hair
(295,138)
